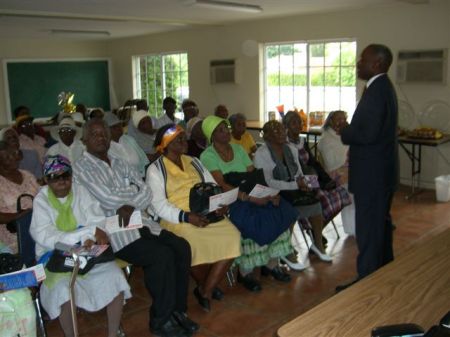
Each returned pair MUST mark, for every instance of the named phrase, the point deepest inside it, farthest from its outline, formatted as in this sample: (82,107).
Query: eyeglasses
(66,130)
(52,178)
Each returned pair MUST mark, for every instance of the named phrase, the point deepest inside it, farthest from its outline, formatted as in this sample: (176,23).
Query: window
(316,77)
(159,76)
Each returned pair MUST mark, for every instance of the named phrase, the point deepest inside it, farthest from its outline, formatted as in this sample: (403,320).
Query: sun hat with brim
(138,116)
(22,118)
(66,122)
(210,123)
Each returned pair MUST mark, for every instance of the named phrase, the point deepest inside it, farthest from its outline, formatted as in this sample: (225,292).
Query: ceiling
(108,19)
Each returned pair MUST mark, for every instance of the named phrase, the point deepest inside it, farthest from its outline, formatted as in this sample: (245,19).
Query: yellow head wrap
(170,134)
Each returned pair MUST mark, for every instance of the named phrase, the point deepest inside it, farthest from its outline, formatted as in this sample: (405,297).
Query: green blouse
(213,162)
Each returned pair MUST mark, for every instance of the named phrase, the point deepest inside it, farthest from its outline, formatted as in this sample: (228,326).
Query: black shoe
(185,322)
(277,273)
(203,301)
(169,329)
(249,282)
(217,294)
(345,286)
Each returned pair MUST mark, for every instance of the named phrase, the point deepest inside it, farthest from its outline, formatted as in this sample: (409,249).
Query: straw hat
(66,122)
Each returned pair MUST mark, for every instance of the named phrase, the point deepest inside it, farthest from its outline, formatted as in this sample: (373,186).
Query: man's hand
(197,220)
(101,237)
(124,213)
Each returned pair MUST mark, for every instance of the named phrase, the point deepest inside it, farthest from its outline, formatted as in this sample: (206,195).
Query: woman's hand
(275,200)
(88,244)
(222,211)
(259,201)
(302,185)
(197,220)
(101,237)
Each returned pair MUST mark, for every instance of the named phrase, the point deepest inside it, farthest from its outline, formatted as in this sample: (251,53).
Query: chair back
(25,241)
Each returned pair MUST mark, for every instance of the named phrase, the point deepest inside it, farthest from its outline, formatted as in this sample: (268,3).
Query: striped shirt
(114,186)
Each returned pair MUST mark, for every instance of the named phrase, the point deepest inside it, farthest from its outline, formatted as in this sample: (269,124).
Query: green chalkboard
(37,84)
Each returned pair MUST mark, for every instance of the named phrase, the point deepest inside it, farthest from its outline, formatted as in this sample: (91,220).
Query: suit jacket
(372,137)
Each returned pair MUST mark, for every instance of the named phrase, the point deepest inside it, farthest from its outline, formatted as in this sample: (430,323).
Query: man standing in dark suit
(373,160)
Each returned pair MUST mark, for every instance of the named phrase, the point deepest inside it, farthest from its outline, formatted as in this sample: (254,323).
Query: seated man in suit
(165,257)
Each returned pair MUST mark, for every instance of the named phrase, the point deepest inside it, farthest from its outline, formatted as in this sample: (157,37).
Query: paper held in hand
(223,199)
(112,223)
(261,191)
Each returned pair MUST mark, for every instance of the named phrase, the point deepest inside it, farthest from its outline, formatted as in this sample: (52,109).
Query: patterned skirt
(254,255)
(332,203)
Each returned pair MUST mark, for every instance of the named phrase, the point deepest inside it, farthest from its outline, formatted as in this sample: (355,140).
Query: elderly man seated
(165,257)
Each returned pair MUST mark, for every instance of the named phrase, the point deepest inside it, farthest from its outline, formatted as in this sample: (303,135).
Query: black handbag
(10,263)
(246,181)
(199,200)
(63,262)
(299,198)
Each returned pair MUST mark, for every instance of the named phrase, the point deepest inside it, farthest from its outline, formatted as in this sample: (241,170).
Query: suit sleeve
(368,120)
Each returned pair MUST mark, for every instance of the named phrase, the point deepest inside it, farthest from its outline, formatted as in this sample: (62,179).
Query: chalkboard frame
(9,108)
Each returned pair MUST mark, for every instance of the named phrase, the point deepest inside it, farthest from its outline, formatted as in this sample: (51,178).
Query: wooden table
(415,155)
(415,288)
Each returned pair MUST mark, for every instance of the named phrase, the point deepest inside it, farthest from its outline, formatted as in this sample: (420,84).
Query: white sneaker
(298,266)
(324,257)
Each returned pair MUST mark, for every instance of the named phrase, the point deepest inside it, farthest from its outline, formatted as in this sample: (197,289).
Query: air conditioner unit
(223,71)
(425,66)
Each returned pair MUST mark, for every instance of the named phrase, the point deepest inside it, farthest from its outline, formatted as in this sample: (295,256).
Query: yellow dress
(246,141)
(215,242)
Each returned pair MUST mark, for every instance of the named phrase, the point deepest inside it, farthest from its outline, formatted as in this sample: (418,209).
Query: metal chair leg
(230,277)
(302,230)
(39,318)
(73,306)
(335,229)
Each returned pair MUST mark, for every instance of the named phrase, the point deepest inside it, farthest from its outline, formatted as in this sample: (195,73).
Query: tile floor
(242,313)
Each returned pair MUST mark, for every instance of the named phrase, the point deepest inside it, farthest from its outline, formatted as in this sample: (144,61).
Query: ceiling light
(232,6)
(80,32)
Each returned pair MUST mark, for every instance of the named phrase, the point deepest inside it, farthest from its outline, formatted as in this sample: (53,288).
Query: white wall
(400,26)
(38,49)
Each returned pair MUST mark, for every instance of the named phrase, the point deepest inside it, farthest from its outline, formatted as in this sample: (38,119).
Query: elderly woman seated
(141,128)
(282,171)
(335,161)
(27,136)
(196,139)
(28,159)
(214,245)
(68,214)
(263,222)
(333,198)
(13,183)
(68,136)
(123,146)
(240,135)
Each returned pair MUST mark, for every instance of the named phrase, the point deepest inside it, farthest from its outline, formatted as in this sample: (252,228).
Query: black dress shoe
(203,301)
(169,329)
(217,294)
(345,286)
(277,273)
(185,322)
(249,282)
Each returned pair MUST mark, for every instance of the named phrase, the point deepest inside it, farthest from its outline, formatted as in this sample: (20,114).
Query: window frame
(265,108)
(156,111)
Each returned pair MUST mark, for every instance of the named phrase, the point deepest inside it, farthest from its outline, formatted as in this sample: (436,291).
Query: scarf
(285,169)
(65,221)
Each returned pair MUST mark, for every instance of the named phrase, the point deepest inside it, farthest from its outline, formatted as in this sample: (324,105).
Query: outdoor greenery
(162,76)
